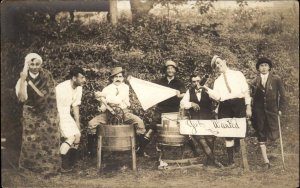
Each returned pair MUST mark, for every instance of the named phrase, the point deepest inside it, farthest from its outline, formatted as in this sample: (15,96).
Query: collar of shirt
(198,90)
(169,80)
(264,76)
(227,71)
(34,76)
(117,86)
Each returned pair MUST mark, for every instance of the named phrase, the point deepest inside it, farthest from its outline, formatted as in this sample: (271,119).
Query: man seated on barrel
(200,107)
(232,91)
(172,104)
(116,95)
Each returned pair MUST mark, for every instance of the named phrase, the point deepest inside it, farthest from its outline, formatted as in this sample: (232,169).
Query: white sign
(148,93)
(226,127)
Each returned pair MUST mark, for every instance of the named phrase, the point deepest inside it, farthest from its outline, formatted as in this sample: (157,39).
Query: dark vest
(205,104)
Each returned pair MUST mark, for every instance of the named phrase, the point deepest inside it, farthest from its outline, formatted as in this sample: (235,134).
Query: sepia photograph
(150,93)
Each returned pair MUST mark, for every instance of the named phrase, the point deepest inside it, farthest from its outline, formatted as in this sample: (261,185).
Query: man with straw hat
(116,94)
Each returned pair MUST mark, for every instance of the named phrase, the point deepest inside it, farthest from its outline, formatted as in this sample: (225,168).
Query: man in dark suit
(200,107)
(269,99)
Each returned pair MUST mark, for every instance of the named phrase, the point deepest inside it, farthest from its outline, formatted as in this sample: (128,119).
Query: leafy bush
(142,49)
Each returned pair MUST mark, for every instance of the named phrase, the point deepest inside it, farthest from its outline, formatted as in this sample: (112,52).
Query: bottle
(204,80)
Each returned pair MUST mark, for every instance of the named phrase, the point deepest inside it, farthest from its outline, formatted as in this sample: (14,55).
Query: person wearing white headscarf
(35,89)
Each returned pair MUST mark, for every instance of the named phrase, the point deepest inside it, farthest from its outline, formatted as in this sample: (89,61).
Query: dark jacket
(171,104)
(205,105)
(266,104)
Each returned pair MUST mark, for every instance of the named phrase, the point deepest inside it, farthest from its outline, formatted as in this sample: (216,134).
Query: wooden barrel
(116,137)
(168,131)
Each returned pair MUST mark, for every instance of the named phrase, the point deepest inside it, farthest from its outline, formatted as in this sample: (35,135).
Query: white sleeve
(78,97)
(185,101)
(214,93)
(245,89)
(126,96)
(18,85)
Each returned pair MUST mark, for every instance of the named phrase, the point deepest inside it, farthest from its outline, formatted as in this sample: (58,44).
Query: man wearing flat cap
(169,80)
(232,92)
(116,94)
(269,99)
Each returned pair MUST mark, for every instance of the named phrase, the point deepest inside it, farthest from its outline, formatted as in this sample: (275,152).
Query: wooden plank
(182,167)
(244,155)
(113,10)
(189,160)
(99,152)
(133,153)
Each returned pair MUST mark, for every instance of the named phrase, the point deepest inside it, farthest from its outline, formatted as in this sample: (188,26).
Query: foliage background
(240,36)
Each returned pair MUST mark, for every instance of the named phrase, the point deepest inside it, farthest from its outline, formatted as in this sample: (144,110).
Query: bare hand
(248,111)
(99,94)
(178,94)
(195,106)
(129,77)
(279,113)
(204,87)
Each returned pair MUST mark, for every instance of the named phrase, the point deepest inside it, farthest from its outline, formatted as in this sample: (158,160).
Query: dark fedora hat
(263,60)
(116,71)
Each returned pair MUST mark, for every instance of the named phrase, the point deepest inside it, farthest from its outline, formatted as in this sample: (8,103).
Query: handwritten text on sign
(226,127)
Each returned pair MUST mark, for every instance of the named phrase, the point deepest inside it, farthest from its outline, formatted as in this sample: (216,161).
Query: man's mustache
(118,81)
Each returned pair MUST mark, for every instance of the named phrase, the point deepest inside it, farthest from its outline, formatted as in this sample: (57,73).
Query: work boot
(143,142)
(65,165)
(194,146)
(230,156)
(266,166)
(236,145)
(73,156)
(91,145)
(211,160)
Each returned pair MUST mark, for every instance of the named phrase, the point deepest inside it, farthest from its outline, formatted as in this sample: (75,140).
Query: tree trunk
(140,9)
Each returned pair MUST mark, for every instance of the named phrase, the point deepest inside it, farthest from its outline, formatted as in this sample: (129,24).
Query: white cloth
(66,97)
(25,89)
(264,78)
(28,58)
(18,88)
(185,101)
(149,94)
(118,95)
(237,83)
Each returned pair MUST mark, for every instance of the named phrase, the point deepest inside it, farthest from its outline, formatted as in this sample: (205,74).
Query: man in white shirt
(200,107)
(116,94)
(68,95)
(232,92)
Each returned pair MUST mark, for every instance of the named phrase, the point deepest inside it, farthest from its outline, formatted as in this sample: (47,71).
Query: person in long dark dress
(41,136)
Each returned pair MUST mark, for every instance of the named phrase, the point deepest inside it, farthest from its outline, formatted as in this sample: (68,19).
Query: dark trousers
(232,108)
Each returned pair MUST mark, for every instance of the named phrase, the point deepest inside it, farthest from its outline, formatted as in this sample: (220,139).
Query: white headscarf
(28,58)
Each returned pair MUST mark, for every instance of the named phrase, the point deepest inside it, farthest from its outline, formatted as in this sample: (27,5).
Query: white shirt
(237,83)
(264,78)
(66,96)
(185,101)
(118,95)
